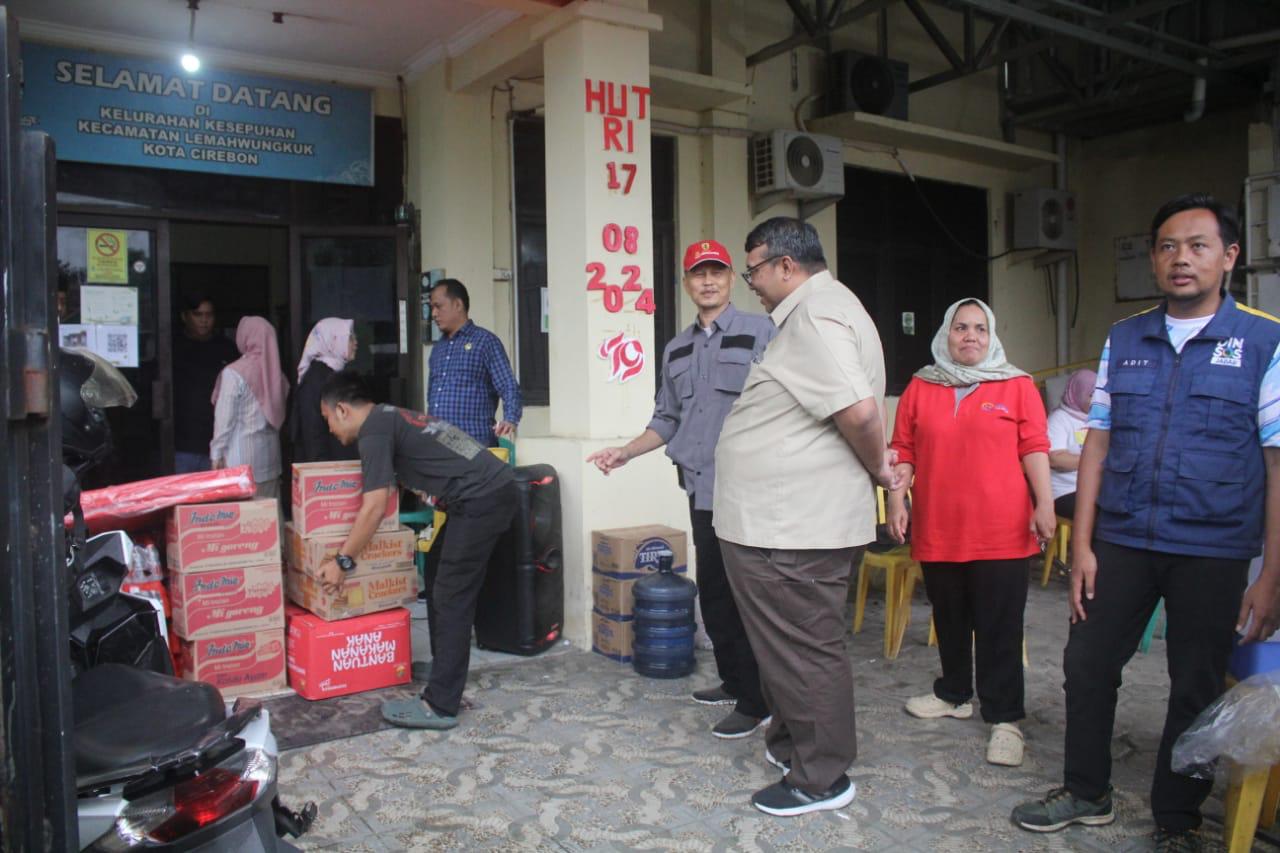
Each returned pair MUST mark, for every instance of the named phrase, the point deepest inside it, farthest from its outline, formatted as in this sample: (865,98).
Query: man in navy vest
(1179,487)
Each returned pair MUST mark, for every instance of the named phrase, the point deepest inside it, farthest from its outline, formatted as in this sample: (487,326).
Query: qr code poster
(118,345)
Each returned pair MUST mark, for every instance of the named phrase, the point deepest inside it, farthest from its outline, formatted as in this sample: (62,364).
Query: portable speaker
(521,605)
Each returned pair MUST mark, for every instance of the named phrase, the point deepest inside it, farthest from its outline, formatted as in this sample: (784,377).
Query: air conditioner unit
(797,165)
(1044,219)
(859,82)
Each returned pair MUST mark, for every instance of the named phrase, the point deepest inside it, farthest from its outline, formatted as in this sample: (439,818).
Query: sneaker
(785,800)
(930,707)
(1060,808)
(1184,841)
(738,725)
(784,766)
(714,696)
(1006,745)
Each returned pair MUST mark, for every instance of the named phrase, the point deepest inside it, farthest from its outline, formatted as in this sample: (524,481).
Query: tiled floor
(571,751)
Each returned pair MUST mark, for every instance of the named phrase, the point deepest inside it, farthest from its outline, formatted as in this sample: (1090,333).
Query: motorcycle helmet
(87,384)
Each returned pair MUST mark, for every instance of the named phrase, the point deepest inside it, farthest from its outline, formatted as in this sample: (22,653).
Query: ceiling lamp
(189,61)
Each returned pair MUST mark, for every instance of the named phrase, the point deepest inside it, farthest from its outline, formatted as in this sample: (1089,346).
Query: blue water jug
(664,625)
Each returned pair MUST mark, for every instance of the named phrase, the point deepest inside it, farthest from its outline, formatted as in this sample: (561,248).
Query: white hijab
(946,371)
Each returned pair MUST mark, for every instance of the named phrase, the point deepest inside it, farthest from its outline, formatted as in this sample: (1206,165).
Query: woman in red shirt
(971,428)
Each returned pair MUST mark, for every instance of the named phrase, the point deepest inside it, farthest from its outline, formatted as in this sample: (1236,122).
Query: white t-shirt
(1066,432)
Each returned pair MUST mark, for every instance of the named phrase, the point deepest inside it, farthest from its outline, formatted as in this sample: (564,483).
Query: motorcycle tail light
(199,802)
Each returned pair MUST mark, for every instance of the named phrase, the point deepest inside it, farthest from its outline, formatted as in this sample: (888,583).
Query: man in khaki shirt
(796,468)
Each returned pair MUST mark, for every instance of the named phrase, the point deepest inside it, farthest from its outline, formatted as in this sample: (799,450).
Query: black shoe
(1060,808)
(738,724)
(785,800)
(714,696)
(1182,841)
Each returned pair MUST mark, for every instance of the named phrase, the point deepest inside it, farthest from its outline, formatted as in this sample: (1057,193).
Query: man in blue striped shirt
(469,370)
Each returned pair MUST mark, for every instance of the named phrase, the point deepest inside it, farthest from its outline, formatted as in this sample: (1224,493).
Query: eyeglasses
(751,270)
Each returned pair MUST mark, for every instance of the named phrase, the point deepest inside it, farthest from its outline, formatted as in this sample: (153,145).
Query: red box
(202,537)
(236,663)
(327,496)
(329,659)
(248,598)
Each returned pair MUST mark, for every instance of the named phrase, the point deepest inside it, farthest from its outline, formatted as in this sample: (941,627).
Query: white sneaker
(930,707)
(1006,745)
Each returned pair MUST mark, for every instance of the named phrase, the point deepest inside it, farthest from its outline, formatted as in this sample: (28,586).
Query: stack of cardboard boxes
(227,599)
(358,637)
(620,557)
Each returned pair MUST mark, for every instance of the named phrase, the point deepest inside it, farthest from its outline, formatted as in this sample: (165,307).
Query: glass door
(113,298)
(359,274)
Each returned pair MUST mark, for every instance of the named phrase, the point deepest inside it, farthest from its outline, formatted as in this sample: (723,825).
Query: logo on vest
(1229,352)
(1137,362)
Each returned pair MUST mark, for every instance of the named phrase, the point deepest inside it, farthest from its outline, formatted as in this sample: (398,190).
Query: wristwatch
(347,564)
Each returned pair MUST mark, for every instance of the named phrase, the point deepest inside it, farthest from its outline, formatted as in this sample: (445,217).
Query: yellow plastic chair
(898,566)
(438,518)
(1057,547)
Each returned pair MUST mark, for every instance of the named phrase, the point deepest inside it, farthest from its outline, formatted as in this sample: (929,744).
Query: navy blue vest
(1184,473)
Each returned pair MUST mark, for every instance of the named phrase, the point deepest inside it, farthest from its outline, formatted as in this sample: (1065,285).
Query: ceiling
(358,41)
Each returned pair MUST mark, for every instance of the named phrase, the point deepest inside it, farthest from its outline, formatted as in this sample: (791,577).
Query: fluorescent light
(190,62)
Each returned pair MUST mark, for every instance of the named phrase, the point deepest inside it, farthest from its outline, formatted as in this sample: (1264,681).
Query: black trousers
(735,662)
(1201,599)
(977,612)
(453,585)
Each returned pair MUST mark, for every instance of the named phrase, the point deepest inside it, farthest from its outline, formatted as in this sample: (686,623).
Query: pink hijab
(259,366)
(329,341)
(1079,391)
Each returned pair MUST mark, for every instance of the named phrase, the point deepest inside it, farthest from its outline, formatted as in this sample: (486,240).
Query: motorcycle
(161,763)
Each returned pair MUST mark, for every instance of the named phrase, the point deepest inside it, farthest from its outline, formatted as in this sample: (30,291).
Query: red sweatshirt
(970,499)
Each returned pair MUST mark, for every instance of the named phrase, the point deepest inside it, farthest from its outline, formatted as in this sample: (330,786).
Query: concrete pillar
(600,274)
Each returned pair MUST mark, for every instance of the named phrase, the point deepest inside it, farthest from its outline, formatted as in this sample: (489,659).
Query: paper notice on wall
(404,327)
(109,306)
(77,335)
(1134,278)
(108,256)
(118,345)
(544,317)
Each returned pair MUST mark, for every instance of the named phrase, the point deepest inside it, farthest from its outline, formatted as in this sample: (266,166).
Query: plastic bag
(130,506)
(1242,725)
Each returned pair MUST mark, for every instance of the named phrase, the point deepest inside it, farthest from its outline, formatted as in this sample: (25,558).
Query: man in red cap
(703,371)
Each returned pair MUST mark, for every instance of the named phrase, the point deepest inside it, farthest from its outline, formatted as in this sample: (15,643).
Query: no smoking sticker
(107,254)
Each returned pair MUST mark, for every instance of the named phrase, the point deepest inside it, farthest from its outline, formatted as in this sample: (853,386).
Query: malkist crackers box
(635,550)
(237,662)
(327,496)
(388,550)
(202,537)
(359,594)
(611,636)
(348,656)
(245,598)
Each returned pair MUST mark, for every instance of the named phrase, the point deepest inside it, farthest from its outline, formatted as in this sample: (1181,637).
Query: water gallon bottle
(664,624)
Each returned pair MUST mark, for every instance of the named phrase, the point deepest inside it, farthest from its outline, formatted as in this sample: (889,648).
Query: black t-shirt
(312,441)
(427,455)
(196,365)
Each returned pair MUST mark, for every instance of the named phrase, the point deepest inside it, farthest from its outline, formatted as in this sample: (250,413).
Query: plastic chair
(1056,548)
(898,566)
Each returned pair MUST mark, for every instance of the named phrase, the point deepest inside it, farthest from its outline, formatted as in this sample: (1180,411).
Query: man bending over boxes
(430,457)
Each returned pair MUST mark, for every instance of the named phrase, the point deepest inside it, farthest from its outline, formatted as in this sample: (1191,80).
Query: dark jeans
(454,582)
(1201,599)
(977,612)
(735,661)
(1065,505)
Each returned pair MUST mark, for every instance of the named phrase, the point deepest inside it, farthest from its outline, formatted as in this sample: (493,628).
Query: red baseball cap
(702,251)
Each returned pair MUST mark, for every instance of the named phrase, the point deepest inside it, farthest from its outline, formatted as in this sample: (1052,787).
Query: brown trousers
(792,605)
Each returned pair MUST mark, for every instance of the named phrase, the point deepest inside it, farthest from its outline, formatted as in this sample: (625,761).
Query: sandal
(1006,745)
(415,714)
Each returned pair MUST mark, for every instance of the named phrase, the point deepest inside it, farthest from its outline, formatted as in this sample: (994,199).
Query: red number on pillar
(612,298)
(631,239)
(632,284)
(645,302)
(629,169)
(611,237)
(597,275)
(614,183)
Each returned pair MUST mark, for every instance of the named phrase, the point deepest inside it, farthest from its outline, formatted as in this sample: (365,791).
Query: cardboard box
(635,550)
(612,593)
(237,662)
(348,656)
(203,537)
(327,496)
(247,598)
(388,550)
(611,636)
(358,596)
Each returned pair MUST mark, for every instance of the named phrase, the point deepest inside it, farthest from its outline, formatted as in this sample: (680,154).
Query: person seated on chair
(971,428)
(1066,437)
